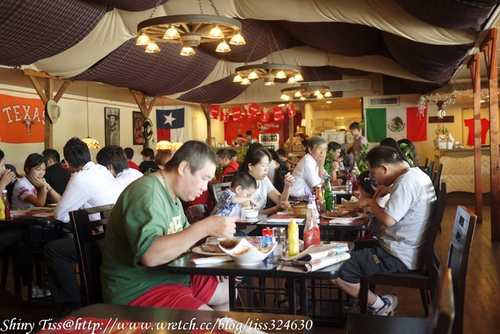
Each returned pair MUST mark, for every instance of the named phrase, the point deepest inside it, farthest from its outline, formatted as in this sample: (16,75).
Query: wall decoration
(22,120)
(112,122)
(137,134)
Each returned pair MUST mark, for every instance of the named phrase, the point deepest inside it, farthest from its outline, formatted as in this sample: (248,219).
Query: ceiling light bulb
(253,75)
(269,83)
(171,33)
(317,93)
(215,32)
(281,75)
(328,94)
(143,39)
(328,101)
(302,98)
(237,39)
(237,78)
(283,97)
(187,51)
(298,77)
(320,96)
(223,47)
(297,94)
(152,48)
(245,81)
(291,80)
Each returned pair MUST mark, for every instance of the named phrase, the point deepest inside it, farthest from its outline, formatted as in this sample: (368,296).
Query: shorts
(370,261)
(199,293)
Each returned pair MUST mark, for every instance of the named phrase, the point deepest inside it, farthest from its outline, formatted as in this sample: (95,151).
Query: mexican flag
(397,123)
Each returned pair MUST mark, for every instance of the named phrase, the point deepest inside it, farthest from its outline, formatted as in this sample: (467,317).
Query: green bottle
(328,196)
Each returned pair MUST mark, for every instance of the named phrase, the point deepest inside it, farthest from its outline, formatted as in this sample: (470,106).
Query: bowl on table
(245,253)
(299,210)
(251,213)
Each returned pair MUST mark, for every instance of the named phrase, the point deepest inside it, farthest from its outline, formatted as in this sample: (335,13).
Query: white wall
(73,122)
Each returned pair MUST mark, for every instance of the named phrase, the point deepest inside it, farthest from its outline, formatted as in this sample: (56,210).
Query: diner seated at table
(33,190)
(256,164)
(90,186)
(148,160)
(334,162)
(130,155)
(231,200)
(310,171)
(405,220)
(226,162)
(55,175)
(148,228)
(114,159)
(162,157)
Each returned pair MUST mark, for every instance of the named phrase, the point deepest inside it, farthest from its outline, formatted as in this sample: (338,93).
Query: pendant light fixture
(91,142)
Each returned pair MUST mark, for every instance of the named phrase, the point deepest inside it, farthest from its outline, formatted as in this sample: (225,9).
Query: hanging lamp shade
(91,142)
(176,145)
(163,145)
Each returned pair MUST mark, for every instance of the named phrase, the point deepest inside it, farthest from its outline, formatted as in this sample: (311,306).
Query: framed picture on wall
(112,123)
(137,133)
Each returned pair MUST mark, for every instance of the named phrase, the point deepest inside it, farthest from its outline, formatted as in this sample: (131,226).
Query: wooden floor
(482,294)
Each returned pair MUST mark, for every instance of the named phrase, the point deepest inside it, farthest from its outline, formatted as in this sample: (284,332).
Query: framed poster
(137,133)
(112,122)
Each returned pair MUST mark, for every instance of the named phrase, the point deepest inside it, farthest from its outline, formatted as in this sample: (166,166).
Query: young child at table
(32,189)
(229,202)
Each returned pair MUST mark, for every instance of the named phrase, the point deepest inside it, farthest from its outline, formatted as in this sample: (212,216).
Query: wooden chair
(89,240)
(458,259)
(424,279)
(228,177)
(436,179)
(440,320)
(430,169)
(215,189)
(196,212)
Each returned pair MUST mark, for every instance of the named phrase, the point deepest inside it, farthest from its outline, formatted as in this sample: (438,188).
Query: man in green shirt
(147,228)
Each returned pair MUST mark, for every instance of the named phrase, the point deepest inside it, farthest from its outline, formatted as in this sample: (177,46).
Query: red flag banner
(291,109)
(22,120)
(417,129)
(224,115)
(236,113)
(214,112)
(278,113)
(265,114)
(253,109)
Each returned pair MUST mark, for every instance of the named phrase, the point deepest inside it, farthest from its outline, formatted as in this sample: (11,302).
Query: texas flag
(170,124)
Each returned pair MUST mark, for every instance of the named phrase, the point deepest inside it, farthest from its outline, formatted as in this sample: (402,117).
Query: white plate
(43,214)
(41,208)
(18,212)
(343,221)
(197,250)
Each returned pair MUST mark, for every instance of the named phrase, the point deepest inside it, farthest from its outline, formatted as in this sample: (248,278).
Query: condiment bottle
(320,201)
(311,230)
(6,205)
(293,238)
(329,197)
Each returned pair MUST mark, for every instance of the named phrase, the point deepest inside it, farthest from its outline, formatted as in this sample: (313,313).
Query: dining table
(39,226)
(114,319)
(264,272)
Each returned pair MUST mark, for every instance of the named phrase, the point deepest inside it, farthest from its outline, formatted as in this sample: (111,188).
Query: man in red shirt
(226,162)
(130,154)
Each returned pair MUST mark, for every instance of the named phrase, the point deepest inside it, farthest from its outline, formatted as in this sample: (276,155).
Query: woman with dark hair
(6,175)
(256,164)
(32,189)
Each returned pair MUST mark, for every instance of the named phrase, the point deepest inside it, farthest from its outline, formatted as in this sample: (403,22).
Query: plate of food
(343,220)
(210,249)
(41,208)
(43,214)
(338,213)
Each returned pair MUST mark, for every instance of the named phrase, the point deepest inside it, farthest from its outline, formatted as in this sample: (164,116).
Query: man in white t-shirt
(90,185)
(115,160)
(405,220)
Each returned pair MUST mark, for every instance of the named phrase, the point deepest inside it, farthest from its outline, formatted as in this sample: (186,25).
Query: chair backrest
(431,260)
(437,177)
(89,240)
(196,212)
(458,259)
(228,177)
(442,312)
(430,169)
(215,189)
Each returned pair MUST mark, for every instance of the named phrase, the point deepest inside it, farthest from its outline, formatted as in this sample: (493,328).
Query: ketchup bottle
(311,230)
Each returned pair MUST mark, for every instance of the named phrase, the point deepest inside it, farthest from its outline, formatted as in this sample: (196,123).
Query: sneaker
(391,305)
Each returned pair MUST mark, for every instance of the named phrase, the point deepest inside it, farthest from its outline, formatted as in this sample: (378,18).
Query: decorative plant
(442,131)
(407,152)
(242,153)
(361,158)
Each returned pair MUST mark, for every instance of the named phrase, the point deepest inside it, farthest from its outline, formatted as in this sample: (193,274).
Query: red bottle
(311,230)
